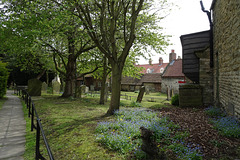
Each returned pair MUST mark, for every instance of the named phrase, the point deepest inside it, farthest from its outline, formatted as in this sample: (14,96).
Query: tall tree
(114,25)
(42,28)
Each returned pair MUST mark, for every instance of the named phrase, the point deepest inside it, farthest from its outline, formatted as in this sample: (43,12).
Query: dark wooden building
(190,44)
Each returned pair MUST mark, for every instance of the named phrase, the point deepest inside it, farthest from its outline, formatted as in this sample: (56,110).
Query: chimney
(160,61)
(150,61)
(172,56)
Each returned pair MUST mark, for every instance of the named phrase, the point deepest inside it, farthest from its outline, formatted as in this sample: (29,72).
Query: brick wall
(226,20)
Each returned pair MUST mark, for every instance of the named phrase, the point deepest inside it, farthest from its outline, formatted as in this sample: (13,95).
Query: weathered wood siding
(190,44)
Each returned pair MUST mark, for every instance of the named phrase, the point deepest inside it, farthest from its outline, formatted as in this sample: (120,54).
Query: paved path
(12,129)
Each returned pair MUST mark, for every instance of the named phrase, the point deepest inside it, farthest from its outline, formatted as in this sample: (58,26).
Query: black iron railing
(32,113)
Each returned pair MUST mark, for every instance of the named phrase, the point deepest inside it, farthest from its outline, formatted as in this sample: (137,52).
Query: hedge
(3,79)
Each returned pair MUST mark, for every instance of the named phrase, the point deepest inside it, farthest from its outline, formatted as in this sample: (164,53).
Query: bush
(3,79)
(135,104)
(175,100)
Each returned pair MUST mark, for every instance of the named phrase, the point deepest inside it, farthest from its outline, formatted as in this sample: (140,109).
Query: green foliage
(228,126)
(214,112)
(3,79)
(122,103)
(135,104)
(175,100)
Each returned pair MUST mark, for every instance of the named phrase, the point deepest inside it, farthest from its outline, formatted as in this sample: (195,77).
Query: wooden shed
(190,44)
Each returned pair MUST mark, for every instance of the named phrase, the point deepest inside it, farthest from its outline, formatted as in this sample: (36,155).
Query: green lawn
(70,127)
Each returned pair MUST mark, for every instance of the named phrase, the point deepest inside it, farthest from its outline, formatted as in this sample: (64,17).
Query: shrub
(175,100)
(122,104)
(135,104)
(3,79)
(214,112)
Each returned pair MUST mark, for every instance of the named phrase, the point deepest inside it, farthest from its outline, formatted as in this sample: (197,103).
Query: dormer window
(172,62)
(161,70)
(150,70)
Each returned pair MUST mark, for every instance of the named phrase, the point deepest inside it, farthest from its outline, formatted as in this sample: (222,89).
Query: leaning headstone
(44,87)
(34,87)
(140,94)
(56,87)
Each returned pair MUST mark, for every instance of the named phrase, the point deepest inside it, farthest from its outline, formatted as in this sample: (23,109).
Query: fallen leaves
(202,133)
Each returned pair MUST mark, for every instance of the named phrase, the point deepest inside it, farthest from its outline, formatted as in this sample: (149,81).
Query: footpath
(12,129)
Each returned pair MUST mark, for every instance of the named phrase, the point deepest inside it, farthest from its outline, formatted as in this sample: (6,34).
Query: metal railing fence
(32,113)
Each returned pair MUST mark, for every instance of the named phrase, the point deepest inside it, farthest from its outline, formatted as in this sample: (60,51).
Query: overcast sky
(187,18)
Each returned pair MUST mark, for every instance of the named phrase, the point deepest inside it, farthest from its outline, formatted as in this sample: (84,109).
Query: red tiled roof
(174,70)
(152,78)
(154,67)
(146,78)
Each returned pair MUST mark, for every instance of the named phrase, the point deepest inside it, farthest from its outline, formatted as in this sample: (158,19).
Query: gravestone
(172,93)
(86,89)
(147,91)
(106,93)
(83,89)
(168,94)
(56,87)
(140,94)
(34,87)
(92,88)
(44,87)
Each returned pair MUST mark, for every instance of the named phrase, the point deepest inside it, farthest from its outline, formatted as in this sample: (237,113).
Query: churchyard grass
(69,125)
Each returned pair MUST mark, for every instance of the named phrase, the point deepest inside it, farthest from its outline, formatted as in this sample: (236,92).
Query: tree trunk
(70,76)
(116,88)
(103,81)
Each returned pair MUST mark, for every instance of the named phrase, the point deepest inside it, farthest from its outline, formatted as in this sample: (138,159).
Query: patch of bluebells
(123,134)
(227,125)
(184,151)
(214,112)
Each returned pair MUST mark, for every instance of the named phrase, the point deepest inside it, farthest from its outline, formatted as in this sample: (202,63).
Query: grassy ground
(70,127)
(2,101)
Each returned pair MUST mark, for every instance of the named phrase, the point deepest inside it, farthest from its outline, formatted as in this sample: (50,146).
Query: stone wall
(226,21)
(172,83)
(205,76)
(190,95)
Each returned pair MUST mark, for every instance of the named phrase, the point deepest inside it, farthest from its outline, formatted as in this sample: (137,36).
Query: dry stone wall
(226,20)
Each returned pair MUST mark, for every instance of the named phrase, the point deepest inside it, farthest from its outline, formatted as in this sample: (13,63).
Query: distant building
(152,75)
(172,75)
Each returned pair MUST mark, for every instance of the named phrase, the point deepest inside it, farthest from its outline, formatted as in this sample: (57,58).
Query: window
(150,70)
(161,70)
(172,62)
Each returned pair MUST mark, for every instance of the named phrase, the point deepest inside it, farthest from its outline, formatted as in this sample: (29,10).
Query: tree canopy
(67,34)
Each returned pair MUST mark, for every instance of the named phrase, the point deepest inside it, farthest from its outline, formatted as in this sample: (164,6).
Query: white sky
(185,19)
